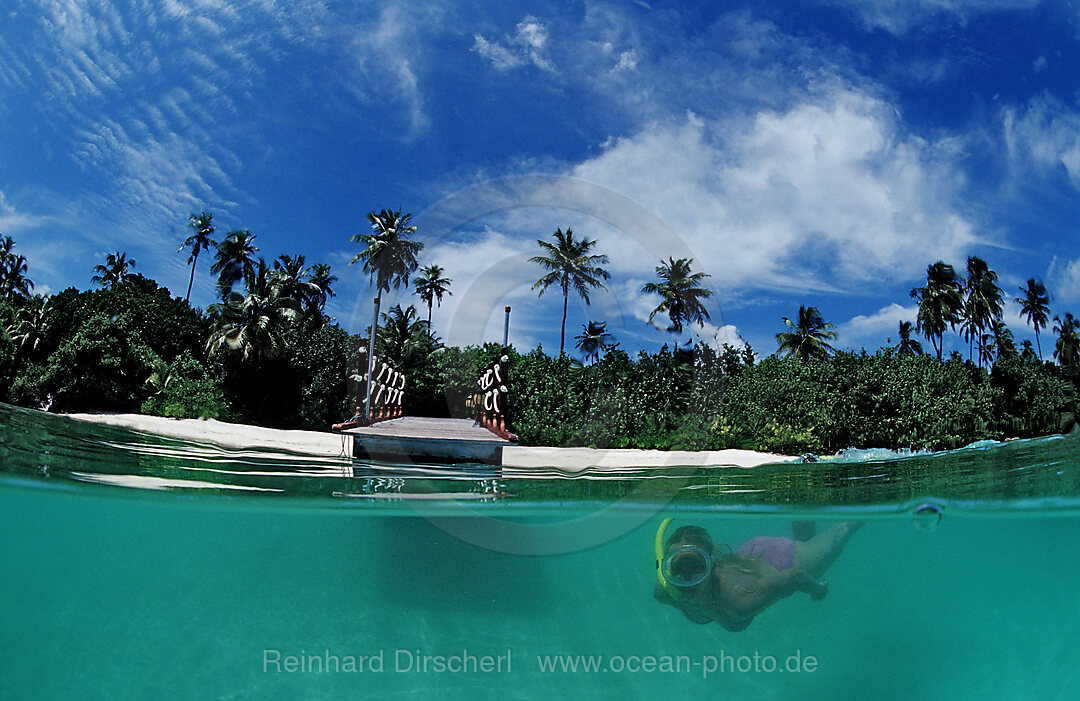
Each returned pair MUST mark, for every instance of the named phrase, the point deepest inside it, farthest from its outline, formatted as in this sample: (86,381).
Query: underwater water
(133,566)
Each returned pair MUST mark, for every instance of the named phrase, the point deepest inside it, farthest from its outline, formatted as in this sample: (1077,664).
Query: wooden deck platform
(426,439)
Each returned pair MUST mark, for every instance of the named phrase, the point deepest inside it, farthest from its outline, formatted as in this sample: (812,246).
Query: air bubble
(926,517)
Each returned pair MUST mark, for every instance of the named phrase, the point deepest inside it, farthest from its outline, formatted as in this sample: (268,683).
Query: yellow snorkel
(660,532)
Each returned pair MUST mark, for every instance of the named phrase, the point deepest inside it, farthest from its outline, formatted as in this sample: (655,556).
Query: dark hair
(691,534)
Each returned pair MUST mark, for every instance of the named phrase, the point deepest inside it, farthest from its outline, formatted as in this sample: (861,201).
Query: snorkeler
(708,584)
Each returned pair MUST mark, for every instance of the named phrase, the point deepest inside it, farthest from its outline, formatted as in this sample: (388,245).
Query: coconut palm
(1067,348)
(253,324)
(200,240)
(14,284)
(940,303)
(1035,305)
(402,335)
(28,327)
(294,278)
(808,337)
(982,303)
(234,260)
(988,348)
(570,264)
(1001,341)
(908,346)
(389,258)
(117,269)
(593,339)
(681,293)
(322,281)
(1027,351)
(431,286)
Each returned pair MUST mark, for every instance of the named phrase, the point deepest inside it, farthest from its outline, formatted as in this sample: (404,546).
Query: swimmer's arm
(773,587)
(661,595)
(801,581)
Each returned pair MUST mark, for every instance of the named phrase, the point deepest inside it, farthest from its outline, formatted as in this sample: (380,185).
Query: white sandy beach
(225,434)
(320,443)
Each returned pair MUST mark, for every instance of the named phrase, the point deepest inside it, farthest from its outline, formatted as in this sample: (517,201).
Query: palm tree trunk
(371,358)
(1037,344)
(192,280)
(562,334)
(429,316)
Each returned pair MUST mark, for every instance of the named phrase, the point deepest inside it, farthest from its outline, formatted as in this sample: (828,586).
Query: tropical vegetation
(570,264)
(129,345)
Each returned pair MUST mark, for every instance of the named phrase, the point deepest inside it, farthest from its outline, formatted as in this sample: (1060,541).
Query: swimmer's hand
(801,581)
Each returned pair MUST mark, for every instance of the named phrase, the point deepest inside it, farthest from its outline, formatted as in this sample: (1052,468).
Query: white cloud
(900,16)
(627,61)
(829,194)
(719,336)
(876,327)
(527,46)
(1047,134)
(386,61)
(500,56)
(1064,277)
(14,220)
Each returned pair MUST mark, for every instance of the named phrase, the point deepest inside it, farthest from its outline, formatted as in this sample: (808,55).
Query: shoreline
(326,444)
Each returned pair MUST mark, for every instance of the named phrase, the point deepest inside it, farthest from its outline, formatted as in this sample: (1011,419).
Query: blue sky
(819,153)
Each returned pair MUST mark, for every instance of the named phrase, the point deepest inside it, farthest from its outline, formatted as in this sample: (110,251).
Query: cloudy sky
(819,153)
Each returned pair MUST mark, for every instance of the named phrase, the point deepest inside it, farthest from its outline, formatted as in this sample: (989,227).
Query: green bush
(186,391)
(104,365)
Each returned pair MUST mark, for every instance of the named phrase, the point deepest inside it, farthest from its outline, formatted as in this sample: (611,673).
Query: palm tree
(322,281)
(1027,351)
(593,339)
(293,276)
(940,303)
(388,260)
(28,327)
(200,240)
(402,335)
(908,346)
(680,292)
(808,335)
(1001,340)
(253,324)
(234,260)
(570,265)
(13,281)
(1067,348)
(1035,305)
(117,269)
(431,286)
(982,305)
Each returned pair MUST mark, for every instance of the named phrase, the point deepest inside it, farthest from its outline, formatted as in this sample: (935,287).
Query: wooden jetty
(426,439)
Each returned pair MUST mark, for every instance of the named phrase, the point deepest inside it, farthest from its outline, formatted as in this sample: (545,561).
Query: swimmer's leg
(817,554)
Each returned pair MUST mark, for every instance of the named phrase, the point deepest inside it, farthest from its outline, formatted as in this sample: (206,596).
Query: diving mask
(687,566)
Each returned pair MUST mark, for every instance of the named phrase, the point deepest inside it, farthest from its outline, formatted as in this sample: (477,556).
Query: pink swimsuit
(778,552)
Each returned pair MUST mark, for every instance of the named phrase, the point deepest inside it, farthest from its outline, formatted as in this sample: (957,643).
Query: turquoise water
(133,567)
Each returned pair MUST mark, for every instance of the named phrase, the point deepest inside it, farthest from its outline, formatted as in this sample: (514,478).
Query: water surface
(134,566)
